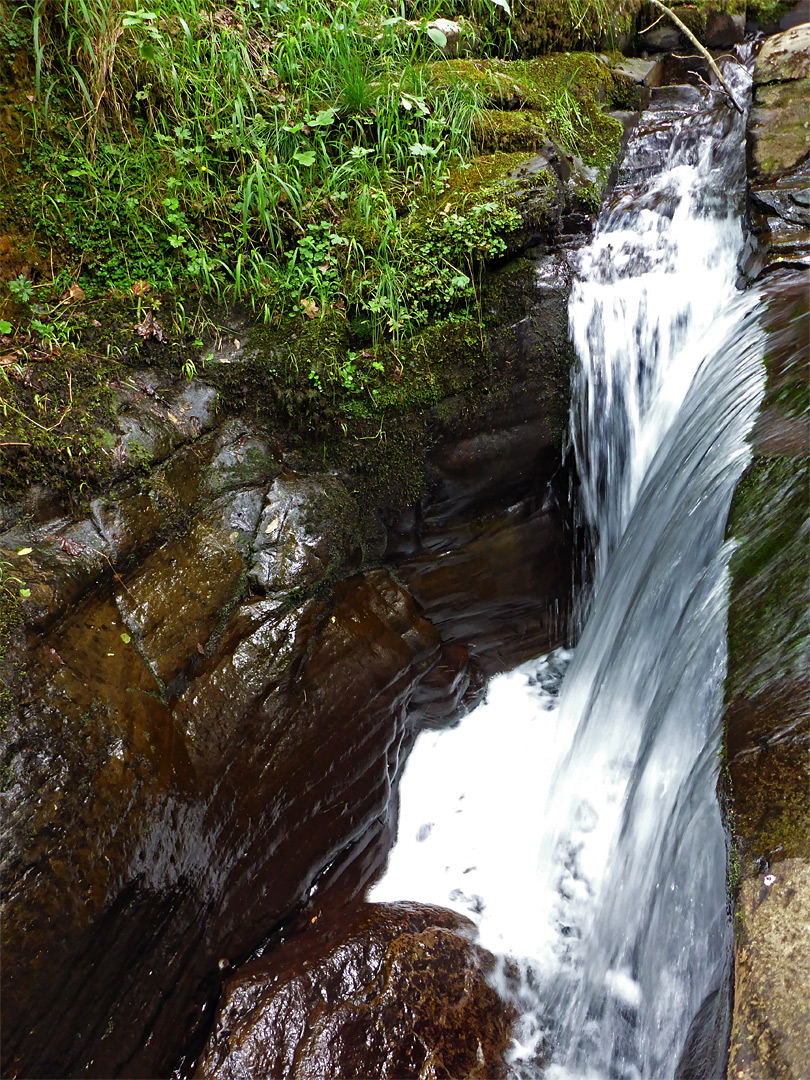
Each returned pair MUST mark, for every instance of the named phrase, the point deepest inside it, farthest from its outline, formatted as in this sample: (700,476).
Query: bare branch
(704,52)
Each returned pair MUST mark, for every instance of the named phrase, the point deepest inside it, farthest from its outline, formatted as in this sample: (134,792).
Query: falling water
(578,826)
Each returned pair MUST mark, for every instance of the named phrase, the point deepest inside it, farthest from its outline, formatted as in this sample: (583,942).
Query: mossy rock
(564,96)
(496,129)
(769,624)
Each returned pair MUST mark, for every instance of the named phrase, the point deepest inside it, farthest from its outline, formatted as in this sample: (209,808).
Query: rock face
(767,688)
(385,990)
(213,694)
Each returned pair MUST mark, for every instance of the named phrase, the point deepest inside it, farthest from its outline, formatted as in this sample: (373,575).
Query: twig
(42,427)
(647,29)
(704,52)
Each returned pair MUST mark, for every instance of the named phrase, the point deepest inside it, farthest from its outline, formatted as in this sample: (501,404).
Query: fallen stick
(704,52)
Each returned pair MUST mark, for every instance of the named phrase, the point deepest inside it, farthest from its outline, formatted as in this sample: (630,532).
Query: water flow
(581,831)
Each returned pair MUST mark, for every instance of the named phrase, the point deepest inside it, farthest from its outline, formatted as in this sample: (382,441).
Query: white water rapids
(573,815)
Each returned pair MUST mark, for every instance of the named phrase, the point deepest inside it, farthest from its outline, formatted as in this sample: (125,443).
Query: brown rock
(784,56)
(383,990)
(147,838)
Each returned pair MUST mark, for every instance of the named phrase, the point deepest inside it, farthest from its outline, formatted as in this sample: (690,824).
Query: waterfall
(573,816)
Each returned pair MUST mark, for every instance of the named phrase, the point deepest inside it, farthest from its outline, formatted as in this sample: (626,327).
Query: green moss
(772,807)
(769,623)
(768,11)
(57,398)
(520,129)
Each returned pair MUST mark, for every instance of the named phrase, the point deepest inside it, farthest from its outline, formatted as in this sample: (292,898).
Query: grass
(298,157)
(232,146)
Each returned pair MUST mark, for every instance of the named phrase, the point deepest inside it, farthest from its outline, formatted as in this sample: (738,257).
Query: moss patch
(769,623)
(563,93)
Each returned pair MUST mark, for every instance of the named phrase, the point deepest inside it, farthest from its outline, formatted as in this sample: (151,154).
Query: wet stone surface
(767,688)
(213,697)
(383,990)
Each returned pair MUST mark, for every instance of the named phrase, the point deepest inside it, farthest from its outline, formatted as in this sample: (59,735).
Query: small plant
(21,289)
(12,585)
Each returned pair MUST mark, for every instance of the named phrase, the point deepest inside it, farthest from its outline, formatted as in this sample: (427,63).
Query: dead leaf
(150,328)
(68,545)
(273,524)
(200,649)
(73,295)
(311,309)
(173,418)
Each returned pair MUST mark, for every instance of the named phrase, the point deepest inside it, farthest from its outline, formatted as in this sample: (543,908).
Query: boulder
(784,57)
(778,131)
(382,990)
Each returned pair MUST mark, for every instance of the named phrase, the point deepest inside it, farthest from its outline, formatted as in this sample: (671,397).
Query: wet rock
(771,1033)
(154,421)
(309,525)
(767,781)
(639,70)
(723,29)
(211,710)
(384,990)
(778,129)
(663,38)
(147,836)
(491,529)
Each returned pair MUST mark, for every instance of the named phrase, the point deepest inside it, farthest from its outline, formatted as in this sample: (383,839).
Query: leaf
(305,157)
(126,638)
(5,326)
(503,4)
(273,524)
(24,551)
(310,308)
(324,118)
(73,295)
(150,327)
(200,649)
(25,593)
(437,36)
(422,150)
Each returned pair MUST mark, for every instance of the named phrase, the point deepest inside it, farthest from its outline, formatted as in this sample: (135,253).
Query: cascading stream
(580,828)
